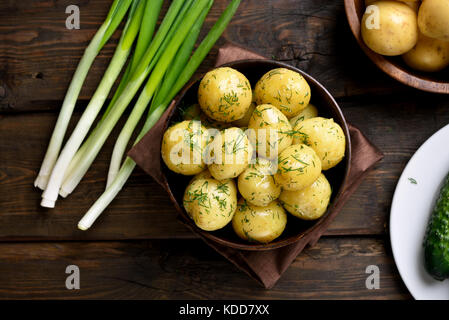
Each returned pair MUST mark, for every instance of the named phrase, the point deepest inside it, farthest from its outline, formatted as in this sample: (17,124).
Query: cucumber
(436,242)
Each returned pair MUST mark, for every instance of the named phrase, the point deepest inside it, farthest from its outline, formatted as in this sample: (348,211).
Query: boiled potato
(257,185)
(414,4)
(224,94)
(325,137)
(298,167)
(182,147)
(285,89)
(397,31)
(192,112)
(245,120)
(210,203)
(428,55)
(213,124)
(309,112)
(259,224)
(273,132)
(309,203)
(433,19)
(228,154)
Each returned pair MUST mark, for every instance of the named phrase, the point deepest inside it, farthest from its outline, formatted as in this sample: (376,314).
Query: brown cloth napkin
(264,266)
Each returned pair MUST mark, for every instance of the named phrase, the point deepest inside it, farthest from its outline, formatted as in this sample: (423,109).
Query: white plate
(410,212)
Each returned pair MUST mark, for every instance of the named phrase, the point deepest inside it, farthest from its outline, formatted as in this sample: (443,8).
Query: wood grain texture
(38,55)
(397,125)
(333,269)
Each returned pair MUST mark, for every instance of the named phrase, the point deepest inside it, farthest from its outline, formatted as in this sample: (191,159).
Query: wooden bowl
(394,66)
(296,228)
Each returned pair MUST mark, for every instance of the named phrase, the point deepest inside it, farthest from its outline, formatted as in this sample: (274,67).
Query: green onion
(115,16)
(82,128)
(128,166)
(90,148)
(173,72)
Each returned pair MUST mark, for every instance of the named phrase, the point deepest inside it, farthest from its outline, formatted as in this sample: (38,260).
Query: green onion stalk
(96,103)
(90,148)
(128,166)
(173,72)
(115,16)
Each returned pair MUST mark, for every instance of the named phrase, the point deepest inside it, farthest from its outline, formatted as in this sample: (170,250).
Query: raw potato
(272,130)
(235,150)
(257,185)
(429,55)
(309,112)
(224,94)
(325,137)
(210,203)
(259,224)
(433,19)
(182,147)
(245,120)
(298,167)
(285,89)
(397,32)
(309,203)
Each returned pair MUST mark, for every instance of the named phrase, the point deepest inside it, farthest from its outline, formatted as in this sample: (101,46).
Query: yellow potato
(309,112)
(433,19)
(259,224)
(272,130)
(257,185)
(285,89)
(224,94)
(228,154)
(210,203)
(182,147)
(298,167)
(309,203)
(245,120)
(325,137)
(192,112)
(414,4)
(396,31)
(428,55)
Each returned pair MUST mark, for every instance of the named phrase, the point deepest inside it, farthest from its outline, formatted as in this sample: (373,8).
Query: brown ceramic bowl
(296,228)
(394,66)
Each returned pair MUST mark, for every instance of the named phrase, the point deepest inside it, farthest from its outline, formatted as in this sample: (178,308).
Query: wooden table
(138,249)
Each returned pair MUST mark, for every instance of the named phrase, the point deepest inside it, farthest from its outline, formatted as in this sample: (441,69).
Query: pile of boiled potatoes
(417,30)
(305,145)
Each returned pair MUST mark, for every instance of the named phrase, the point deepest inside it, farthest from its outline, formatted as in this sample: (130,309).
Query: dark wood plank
(333,269)
(38,55)
(142,210)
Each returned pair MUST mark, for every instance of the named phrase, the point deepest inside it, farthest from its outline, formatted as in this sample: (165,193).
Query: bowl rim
(405,77)
(291,239)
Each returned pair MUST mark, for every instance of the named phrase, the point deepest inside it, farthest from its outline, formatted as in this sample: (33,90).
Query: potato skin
(243,122)
(257,185)
(224,94)
(414,4)
(309,203)
(265,118)
(397,32)
(298,167)
(175,140)
(309,112)
(433,19)
(429,55)
(259,224)
(210,203)
(236,152)
(325,137)
(285,89)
